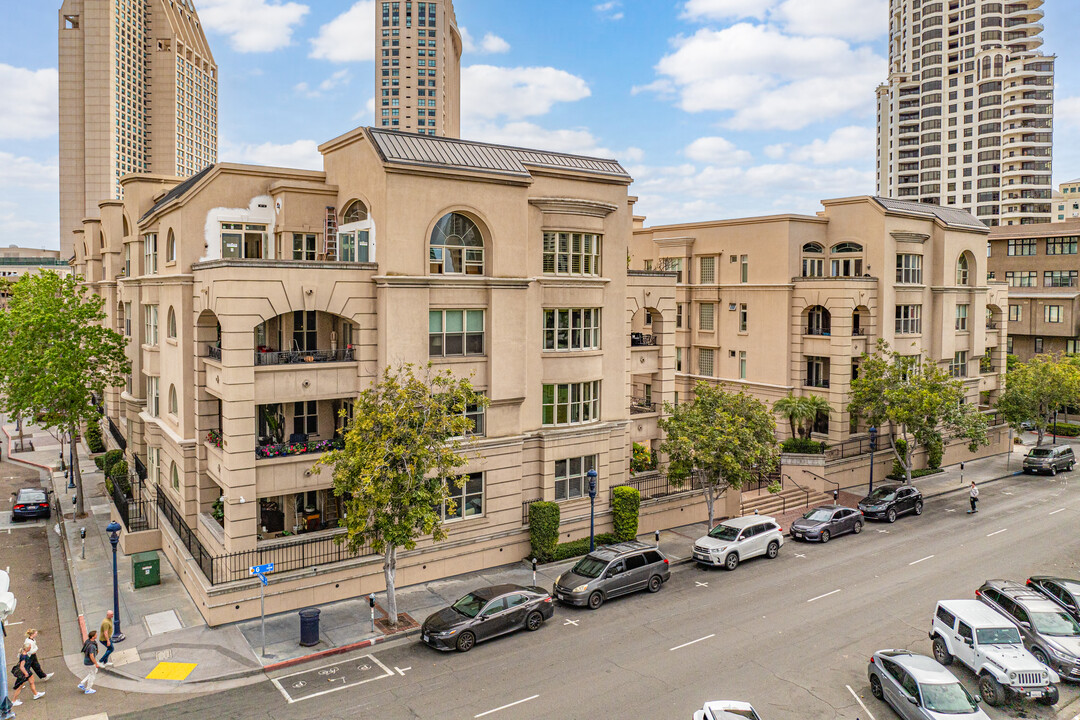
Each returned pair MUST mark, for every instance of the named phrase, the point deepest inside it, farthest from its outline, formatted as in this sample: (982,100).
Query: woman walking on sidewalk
(31,637)
(23,675)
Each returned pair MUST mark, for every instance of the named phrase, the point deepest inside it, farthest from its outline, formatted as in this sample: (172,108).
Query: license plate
(1035,693)
(798,535)
(701,557)
(426,638)
(561,596)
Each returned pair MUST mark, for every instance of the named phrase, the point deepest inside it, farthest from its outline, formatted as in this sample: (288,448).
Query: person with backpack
(89,650)
(23,675)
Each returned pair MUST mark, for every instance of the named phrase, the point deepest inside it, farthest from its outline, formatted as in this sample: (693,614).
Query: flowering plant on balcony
(299,448)
(214,438)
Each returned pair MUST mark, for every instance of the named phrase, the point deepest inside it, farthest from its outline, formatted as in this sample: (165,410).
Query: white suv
(738,539)
(990,645)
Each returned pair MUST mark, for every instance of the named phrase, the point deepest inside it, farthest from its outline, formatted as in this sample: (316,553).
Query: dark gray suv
(1048,631)
(613,570)
(1052,460)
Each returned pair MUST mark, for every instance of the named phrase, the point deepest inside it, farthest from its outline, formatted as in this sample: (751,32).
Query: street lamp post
(71,462)
(7,607)
(592,509)
(873,447)
(113,528)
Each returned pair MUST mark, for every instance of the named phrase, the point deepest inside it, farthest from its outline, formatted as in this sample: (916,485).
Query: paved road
(790,635)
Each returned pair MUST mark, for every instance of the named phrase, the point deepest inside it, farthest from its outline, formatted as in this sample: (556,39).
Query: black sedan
(890,501)
(827,521)
(487,613)
(30,503)
(1063,591)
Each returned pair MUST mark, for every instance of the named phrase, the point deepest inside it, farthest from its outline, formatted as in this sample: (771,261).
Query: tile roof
(952,217)
(177,191)
(1037,230)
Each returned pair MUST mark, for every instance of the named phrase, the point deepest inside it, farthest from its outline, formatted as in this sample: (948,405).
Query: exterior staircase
(788,499)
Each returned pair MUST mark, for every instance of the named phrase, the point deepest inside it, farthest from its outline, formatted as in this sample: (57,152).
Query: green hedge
(934,453)
(93,438)
(544,529)
(119,474)
(805,446)
(897,468)
(1065,429)
(575,548)
(625,503)
(914,474)
(105,462)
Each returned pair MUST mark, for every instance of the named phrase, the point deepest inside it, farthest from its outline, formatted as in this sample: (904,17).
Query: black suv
(890,501)
(612,570)
(1064,591)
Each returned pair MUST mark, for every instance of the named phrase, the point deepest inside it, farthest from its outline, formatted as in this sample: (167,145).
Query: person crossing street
(973,496)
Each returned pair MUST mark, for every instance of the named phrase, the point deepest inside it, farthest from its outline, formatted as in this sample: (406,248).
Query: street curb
(28,463)
(963,488)
(341,650)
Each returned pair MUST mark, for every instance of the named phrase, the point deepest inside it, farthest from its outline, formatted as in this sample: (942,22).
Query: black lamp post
(113,528)
(592,509)
(71,463)
(873,447)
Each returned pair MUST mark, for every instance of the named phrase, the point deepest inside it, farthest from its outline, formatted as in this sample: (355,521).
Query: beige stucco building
(17,261)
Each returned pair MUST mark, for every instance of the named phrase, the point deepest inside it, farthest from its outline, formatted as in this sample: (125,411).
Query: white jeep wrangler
(990,645)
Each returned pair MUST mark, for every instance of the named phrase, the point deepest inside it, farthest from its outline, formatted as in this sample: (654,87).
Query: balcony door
(305,331)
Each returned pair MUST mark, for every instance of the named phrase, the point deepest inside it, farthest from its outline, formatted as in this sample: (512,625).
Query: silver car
(919,688)
(1049,632)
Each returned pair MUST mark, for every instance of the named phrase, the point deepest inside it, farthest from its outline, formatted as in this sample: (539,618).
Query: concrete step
(788,499)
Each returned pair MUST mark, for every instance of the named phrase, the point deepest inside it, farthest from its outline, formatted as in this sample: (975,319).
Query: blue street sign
(262,578)
(262,569)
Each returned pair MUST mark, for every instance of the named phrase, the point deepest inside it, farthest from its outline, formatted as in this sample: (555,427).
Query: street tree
(1034,390)
(720,439)
(55,355)
(921,402)
(402,450)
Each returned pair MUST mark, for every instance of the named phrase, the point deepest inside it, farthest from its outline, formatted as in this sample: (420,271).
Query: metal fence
(214,353)
(525,510)
(304,356)
(136,512)
(203,559)
(656,485)
(323,549)
(855,447)
(640,405)
(140,467)
(117,435)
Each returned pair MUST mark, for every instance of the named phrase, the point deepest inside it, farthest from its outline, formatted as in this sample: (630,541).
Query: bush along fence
(544,519)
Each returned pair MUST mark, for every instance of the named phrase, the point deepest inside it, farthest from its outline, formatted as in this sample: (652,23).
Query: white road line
(858,700)
(822,596)
(677,647)
(387,672)
(1055,513)
(997,532)
(920,560)
(488,712)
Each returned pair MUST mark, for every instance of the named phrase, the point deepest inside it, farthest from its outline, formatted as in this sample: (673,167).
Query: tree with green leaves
(1036,389)
(402,450)
(55,355)
(802,412)
(921,401)
(721,439)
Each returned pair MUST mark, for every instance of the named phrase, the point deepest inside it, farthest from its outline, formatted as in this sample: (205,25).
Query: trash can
(145,569)
(309,627)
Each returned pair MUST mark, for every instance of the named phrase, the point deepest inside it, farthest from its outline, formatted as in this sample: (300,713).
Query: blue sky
(719,108)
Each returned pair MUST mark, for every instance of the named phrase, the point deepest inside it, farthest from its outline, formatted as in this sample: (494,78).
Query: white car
(738,539)
(726,710)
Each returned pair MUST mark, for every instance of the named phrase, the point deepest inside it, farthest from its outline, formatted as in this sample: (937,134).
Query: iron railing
(824,331)
(134,509)
(140,467)
(525,510)
(317,551)
(854,447)
(187,536)
(810,382)
(214,353)
(304,356)
(642,340)
(639,406)
(121,442)
(656,485)
(307,447)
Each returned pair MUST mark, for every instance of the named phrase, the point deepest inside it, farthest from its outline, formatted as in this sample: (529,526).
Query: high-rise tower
(418,67)
(138,94)
(966,117)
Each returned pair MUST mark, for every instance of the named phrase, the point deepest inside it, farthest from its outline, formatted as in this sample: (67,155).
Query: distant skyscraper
(418,67)
(138,94)
(966,117)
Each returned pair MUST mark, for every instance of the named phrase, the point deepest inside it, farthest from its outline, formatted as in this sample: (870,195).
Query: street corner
(176,671)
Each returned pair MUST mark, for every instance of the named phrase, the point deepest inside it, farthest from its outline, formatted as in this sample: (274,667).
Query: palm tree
(793,408)
(814,405)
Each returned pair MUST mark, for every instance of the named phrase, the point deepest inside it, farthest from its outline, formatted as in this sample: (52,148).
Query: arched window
(170,247)
(175,476)
(356,212)
(171,328)
(985,70)
(457,247)
(813,248)
(963,270)
(127,230)
(846,247)
(172,399)
(818,321)
(846,267)
(813,266)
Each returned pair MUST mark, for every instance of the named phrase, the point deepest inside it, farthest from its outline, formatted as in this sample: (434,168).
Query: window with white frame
(1053,313)
(706,316)
(742,365)
(744,268)
(571,403)
(153,395)
(354,246)
(127,319)
(150,325)
(465,497)
(244,240)
(572,329)
(475,414)
(153,456)
(303,246)
(571,476)
(455,333)
(908,319)
(456,247)
(961,323)
(909,269)
(150,256)
(678,359)
(813,266)
(958,367)
(175,473)
(708,270)
(705,362)
(572,253)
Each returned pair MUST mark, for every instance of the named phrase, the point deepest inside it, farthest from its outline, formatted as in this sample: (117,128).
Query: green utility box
(145,569)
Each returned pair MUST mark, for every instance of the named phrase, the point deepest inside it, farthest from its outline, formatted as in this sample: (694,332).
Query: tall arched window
(171,327)
(175,473)
(963,270)
(457,247)
(172,400)
(813,266)
(170,247)
(356,212)
(846,267)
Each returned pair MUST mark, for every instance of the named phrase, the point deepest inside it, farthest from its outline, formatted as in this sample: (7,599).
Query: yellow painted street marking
(171,671)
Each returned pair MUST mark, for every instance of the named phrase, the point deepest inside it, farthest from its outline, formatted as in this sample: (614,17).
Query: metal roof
(177,191)
(428,150)
(952,217)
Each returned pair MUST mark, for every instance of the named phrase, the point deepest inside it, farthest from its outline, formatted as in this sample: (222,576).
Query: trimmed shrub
(897,468)
(805,446)
(642,458)
(1065,429)
(93,438)
(119,473)
(914,474)
(108,460)
(934,453)
(625,502)
(576,548)
(544,529)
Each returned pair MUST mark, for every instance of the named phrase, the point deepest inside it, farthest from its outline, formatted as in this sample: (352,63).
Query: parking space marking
(997,532)
(679,647)
(518,702)
(920,560)
(299,688)
(886,532)
(823,596)
(571,622)
(950,509)
(701,584)
(1055,513)
(1006,493)
(401,671)
(859,700)
(798,555)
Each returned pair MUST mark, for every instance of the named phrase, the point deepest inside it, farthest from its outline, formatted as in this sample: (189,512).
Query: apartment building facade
(789,303)
(1067,201)
(965,118)
(138,94)
(1040,265)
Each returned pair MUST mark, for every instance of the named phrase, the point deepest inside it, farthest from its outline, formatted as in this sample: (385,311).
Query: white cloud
(1066,112)
(366,116)
(728,9)
(491,44)
(717,151)
(578,141)
(350,37)
(253,25)
(29,227)
(611,10)
(488,91)
(853,19)
(29,174)
(338,79)
(28,102)
(846,145)
(302,154)
(775,152)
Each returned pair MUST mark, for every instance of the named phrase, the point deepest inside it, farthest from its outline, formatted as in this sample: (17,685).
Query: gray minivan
(613,570)
(1050,459)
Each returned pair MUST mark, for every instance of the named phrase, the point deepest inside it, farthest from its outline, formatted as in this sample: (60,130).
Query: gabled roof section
(950,217)
(178,191)
(431,151)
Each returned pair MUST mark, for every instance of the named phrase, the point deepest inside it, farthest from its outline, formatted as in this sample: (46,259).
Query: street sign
(262,578)
(262,569)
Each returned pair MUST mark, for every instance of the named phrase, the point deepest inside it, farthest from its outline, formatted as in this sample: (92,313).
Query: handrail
(806,492)
(823,479)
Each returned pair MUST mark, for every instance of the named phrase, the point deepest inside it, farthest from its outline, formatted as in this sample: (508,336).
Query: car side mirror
(609,574)
(978,698)
(483,617)
(913,700)
(1025,624)
(969,642)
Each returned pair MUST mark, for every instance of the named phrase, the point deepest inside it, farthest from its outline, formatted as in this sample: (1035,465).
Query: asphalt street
(791,635)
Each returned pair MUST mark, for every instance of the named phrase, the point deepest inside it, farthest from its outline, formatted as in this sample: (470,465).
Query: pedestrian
(105,632)
(974,496)
(89,650)
(22,674)
(31,637)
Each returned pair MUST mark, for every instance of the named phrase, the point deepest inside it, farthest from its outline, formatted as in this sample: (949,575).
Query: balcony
(642,340)
(642,406)
(816,383)
(297,446)
(292,357)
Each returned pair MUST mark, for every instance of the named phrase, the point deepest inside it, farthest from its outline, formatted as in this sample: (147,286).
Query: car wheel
(465,641)
(772,550)
(596,600)
(992,692)
(1040,656)
(891,516)
(732,561)
(824,536)
(655,583)
(941,652)
(1069,467)
(1051,697)
(918,507)
(1053,470)
(875,687)
(858,528)
(534,621)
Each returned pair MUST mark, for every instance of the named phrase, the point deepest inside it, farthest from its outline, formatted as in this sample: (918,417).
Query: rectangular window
(1059,278)
(476,414)
(813,267)
(678,314)
(306,417)
(1038,345)
(150,254)
(127,260)
(572,329)
(572,253)
(1061,246)
(909,269)
(153,456)
(127,319)
(1053,313)
(455,332)
(706,315)
(571,403)
(354,246)
(743,317)
(705,362)
(152,395)
(961,317)
(958,367)
(1020,278)
(1022,246)
(303,246)
(908,319)
(678,359)
(466,499)
(1072,346)
(150,317)
(1009,344)
(305,331)
(674,265)
(571,476)
(708,270)
(247,241)
(744,268)
(1015,313)
(742,365)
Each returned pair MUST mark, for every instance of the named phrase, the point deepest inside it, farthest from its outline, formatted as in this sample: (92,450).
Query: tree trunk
(389,568)
(794,432)
(80,508)
(19,423)
(1039,439)
(710,498)
(907,463)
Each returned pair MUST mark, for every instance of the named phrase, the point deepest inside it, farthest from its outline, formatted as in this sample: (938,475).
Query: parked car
(1053,459)
(1050,633)
(891,501)
(738,539)
(487,613)
(613,570)
(826,522)
(30,503)
(920,688)
(990,646)
(727,710)
(1063,591)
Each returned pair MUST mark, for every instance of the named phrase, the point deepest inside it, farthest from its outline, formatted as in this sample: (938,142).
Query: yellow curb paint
(171,671)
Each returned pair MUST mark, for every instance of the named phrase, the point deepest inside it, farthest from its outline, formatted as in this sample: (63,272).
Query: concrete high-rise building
(418,67)
(965,119)
(138,94)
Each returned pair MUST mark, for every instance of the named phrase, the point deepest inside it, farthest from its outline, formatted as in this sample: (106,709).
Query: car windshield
(589,567)
(881,495)
(818,515)
(951,698)
(32,496)
(1056,623)
(469,606)
(724,532)
(1040,452)
(998,636)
